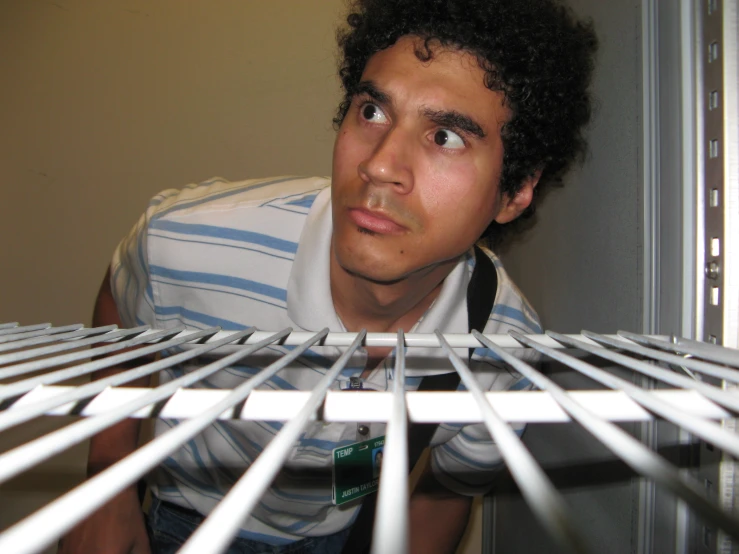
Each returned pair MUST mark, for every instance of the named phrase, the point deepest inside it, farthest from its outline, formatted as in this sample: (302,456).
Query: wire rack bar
(12,328)
(84,332)
(539,492)
(9,419)
(19,333)
(693,405)
(31,453)
(71,340)
(706,368)
(721,397)
(49,523)
(512,406)
(45,363)
(296,338)
(707,430)
(25,385)
(391,529)
(705,350)
(341,406)
(223,523)
(412,340)
(626,447)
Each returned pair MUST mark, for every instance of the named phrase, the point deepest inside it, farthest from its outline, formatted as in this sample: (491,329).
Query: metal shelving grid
(36,360)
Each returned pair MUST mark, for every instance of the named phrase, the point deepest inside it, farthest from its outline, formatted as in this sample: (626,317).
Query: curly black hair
(534,51)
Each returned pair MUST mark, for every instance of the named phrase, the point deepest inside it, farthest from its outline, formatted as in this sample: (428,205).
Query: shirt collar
(309,302)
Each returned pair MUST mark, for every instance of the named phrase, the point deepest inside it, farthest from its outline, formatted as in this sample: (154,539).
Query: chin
(371,268)
(373,273)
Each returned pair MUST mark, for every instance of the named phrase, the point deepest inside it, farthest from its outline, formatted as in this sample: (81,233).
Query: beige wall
(103,104)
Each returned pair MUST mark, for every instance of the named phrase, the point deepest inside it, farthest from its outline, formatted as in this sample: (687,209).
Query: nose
(390,161)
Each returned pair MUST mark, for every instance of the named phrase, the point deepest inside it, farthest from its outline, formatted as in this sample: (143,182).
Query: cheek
(342,152)
(350,150)
(454,190)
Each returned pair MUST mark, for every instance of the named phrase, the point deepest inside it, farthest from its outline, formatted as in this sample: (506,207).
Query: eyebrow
(370,89)
(451,119)
(454,120)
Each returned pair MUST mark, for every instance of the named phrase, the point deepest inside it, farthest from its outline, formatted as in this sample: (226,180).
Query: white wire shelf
(36,361)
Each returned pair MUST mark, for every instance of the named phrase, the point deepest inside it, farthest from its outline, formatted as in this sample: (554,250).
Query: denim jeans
(169,527)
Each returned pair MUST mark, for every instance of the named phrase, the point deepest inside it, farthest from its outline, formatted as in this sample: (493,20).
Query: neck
(385,307)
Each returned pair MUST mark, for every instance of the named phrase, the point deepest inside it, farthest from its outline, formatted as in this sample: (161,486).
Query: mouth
(375,222)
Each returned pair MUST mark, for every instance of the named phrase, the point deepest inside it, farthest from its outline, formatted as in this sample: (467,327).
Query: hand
(116,528)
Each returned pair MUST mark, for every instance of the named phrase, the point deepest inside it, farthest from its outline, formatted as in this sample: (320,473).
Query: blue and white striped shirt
(257,253)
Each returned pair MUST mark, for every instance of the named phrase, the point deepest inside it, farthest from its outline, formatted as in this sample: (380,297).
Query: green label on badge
(357,469)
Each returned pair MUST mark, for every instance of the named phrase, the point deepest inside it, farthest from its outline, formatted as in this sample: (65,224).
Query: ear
(513,206)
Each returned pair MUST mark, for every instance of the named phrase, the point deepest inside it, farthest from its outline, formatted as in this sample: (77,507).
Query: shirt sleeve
(464,458)
(130,279)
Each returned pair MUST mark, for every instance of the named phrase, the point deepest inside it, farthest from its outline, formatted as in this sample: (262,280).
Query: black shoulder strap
(480,297)
(481,291)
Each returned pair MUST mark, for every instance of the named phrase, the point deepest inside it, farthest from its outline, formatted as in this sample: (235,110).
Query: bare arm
(120,440)
(438,517)
(117,527)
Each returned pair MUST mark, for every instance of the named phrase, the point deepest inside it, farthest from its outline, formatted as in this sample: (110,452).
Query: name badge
(356,470)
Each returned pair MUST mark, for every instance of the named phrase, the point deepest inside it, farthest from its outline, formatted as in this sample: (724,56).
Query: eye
(448,139)
(373,113)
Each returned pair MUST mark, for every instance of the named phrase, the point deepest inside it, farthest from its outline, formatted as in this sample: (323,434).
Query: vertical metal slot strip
(705,429)
(84,332)
(541,496)
(630,450)
(722,398)
(49,523)
(690,363)
(9,325)
(390,533)
(220,527)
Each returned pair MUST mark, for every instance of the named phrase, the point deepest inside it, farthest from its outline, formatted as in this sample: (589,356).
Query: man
(455,114)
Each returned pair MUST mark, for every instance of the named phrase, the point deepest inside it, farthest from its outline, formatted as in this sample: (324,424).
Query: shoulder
(511,309)
(219,195)
(217,252)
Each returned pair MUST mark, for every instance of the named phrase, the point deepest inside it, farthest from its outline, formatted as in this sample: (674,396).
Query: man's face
(417,162)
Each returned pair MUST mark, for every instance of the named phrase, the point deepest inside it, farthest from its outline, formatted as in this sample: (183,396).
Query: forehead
(451,79)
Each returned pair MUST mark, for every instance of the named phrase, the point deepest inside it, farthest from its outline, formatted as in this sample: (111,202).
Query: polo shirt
(256,253)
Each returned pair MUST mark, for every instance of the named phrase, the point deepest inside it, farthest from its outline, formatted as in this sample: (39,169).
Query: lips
(375,222)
